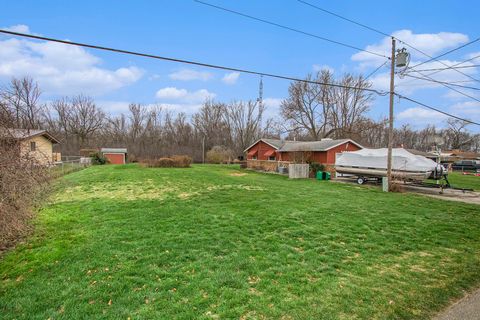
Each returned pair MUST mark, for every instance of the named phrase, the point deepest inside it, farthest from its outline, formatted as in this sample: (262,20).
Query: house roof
(462,154)
(321,145)
(422,153)
(114,150)
(275,143)
(295,146)
(22,134)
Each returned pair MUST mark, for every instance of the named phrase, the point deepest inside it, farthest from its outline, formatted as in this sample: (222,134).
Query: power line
(290,29)
(412,83)
(454,66)
(441,69)
(444,54)
(374,71)
(385,34)
(344,18)
(437,81)
(191,62)
(447,86)
(437,110)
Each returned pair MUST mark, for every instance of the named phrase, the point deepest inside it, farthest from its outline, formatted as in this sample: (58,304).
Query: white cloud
(470,109)
(318,67)
(21,28)
(231,78)
(189,74)
(61,69)
(113,107)
(118,107)
(429,43)
(187,108)
(475,55)
(456,95)
(420,116)
(272,102)
(171,93)
(154,77)
(183,95)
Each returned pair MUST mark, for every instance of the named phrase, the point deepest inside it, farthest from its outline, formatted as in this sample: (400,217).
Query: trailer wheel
(361,180)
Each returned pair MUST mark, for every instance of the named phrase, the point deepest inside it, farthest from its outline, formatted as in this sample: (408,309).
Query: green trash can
(320,175)
(327,175)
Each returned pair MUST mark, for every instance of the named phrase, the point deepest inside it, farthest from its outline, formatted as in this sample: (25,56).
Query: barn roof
(22,134)
(295,146)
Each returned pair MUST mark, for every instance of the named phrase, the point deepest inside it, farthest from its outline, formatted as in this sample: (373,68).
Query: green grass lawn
(458,180)
(208,242)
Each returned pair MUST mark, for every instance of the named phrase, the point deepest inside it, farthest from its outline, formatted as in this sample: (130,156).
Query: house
(450,156)
(115,155)
(269,154)
(33,144)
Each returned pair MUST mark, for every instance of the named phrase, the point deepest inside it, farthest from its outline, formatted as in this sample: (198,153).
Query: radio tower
(260,93)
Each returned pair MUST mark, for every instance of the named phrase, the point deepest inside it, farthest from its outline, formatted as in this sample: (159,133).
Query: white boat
(372,163)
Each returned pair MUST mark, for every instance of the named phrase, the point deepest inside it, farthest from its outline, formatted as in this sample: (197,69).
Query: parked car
(467,165)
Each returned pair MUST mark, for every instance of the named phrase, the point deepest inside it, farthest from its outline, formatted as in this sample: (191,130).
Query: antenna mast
(260,93)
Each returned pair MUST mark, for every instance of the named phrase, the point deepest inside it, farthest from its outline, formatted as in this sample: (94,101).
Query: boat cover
(402,160)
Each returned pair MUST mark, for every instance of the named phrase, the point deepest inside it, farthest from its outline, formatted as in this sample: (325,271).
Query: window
(33,146)
(254,157)
(271,158)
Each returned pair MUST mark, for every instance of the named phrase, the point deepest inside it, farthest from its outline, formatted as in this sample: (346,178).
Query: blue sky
(188,30)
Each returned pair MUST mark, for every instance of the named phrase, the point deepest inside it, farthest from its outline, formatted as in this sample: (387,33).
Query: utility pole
(390,120)
(203,149)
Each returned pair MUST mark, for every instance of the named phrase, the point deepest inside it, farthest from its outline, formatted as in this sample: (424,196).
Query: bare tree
(350,104)
(84,118)
(22,98)
(244,121)
(308,105)
(457,134)
(210,124)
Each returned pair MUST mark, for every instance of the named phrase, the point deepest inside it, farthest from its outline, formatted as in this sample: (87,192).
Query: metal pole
(390,120)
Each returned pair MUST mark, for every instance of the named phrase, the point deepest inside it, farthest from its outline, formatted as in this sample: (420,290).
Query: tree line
(311,111)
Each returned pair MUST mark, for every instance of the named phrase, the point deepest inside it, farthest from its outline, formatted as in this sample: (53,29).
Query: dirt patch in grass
(234,186)
(187,195)
(237,174)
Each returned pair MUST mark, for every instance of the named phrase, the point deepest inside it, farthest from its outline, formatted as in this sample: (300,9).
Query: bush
(132,158)
(173,162)
(181,161)
(23,181)
(219,154)
(98,158)
(315,167)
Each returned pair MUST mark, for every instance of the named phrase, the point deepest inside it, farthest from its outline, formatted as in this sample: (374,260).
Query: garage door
(115,158)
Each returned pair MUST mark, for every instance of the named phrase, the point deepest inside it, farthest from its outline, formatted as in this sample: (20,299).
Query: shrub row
(171,162)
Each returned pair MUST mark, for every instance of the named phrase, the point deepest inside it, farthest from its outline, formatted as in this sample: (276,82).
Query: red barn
(268,153)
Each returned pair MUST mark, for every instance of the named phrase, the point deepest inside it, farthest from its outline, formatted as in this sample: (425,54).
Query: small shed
(115,155)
